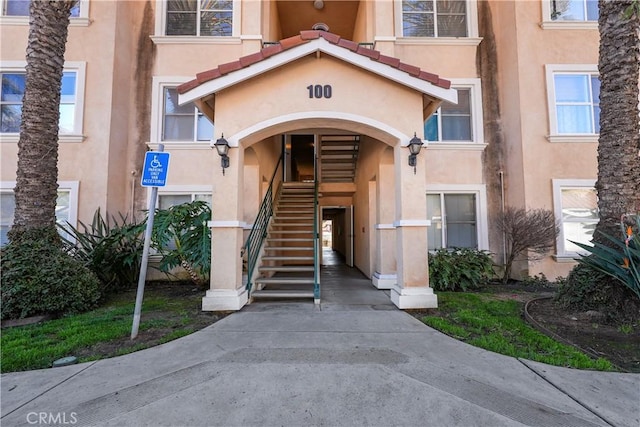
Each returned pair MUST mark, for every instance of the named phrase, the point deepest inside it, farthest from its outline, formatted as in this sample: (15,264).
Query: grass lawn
(106,331)
(497,325)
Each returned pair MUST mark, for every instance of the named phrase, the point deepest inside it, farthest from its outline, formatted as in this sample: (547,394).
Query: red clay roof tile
(411,69)
(389,60)
(292,42)
(271,50)
(229,67)
(310,34)
(446,84)
(251,59)
(371,53)
(205,76)
(185,87)
(348,44)
(303,38)
(330,37)
(430,77)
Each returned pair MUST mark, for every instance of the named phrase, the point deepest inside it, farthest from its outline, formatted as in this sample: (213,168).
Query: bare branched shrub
(529,235)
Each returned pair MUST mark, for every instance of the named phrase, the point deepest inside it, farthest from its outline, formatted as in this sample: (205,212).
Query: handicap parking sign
(156,166)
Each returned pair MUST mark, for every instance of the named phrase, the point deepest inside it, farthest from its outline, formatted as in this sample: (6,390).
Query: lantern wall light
(222,146)
(414,148)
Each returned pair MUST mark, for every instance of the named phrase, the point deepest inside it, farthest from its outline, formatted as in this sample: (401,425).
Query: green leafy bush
(587,289)
(39,278)
(181,234)
(111,248)
(459,269)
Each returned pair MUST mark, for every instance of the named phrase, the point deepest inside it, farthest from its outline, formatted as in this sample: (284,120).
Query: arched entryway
(263,100)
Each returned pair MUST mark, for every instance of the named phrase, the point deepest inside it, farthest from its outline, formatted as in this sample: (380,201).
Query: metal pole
(145,258)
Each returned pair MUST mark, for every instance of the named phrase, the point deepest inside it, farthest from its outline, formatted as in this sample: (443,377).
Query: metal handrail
(253,244)
(316,236)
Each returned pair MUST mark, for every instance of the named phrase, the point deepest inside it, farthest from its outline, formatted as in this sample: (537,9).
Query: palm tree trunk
(37,173)
(618,182)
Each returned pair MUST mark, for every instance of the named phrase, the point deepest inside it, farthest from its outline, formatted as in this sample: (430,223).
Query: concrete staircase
(286,269)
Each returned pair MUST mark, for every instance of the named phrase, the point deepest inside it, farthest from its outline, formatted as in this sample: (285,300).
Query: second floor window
(13,87)
(577,103)
(199,18)
(434,18)
(21,8)
(451,122)
(183,122)
(574,10)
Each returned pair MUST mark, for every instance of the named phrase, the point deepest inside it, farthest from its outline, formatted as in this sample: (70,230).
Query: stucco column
(412,289)
(384,276)
(227,291)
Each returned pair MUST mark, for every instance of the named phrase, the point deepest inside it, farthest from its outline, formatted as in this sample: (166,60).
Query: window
(165,201)
(574,10)
(434,18)
(576,207)
(16,12)
(66,206)
(183,122)
(21,8)
(461,122)
(451,122)
(453,221)
(12,90)
(199,18)
(574,101)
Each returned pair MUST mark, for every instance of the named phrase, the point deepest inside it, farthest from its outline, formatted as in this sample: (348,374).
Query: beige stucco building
(502,94)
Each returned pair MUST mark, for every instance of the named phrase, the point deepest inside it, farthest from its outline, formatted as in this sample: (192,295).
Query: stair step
(286,268)
(287,258)
(291,224)
(285,280)
(290,239)
(291,232)
(282,294)
(288,248)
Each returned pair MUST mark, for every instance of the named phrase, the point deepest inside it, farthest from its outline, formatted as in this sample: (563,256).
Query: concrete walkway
(354,361)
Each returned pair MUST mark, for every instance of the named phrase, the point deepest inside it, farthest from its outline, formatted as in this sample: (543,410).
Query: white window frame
(80,21)
(157,113)
(480,192)
(71,186)
(79,67)
(551,70)
(558,186)
(549,24)
(477,121)
(161,22)
(182,190)
(472,37)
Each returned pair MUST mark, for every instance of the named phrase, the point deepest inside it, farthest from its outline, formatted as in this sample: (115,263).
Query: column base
(384,281)
(224,299)
(409,298)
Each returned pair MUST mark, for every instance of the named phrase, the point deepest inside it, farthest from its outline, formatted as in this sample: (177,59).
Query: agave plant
(110,247)
(621,260)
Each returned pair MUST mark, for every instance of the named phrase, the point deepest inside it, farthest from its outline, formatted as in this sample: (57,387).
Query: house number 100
(319,91)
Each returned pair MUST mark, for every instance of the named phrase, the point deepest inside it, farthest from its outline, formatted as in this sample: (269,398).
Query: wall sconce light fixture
(414,148)
(222,146)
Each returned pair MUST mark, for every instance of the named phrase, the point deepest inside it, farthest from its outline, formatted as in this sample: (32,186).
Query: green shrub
(182,235)
(111,248)
(587,289)
(459,269)
(39,278)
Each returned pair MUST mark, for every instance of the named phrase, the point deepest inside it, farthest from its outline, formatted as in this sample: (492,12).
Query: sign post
(154,175)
